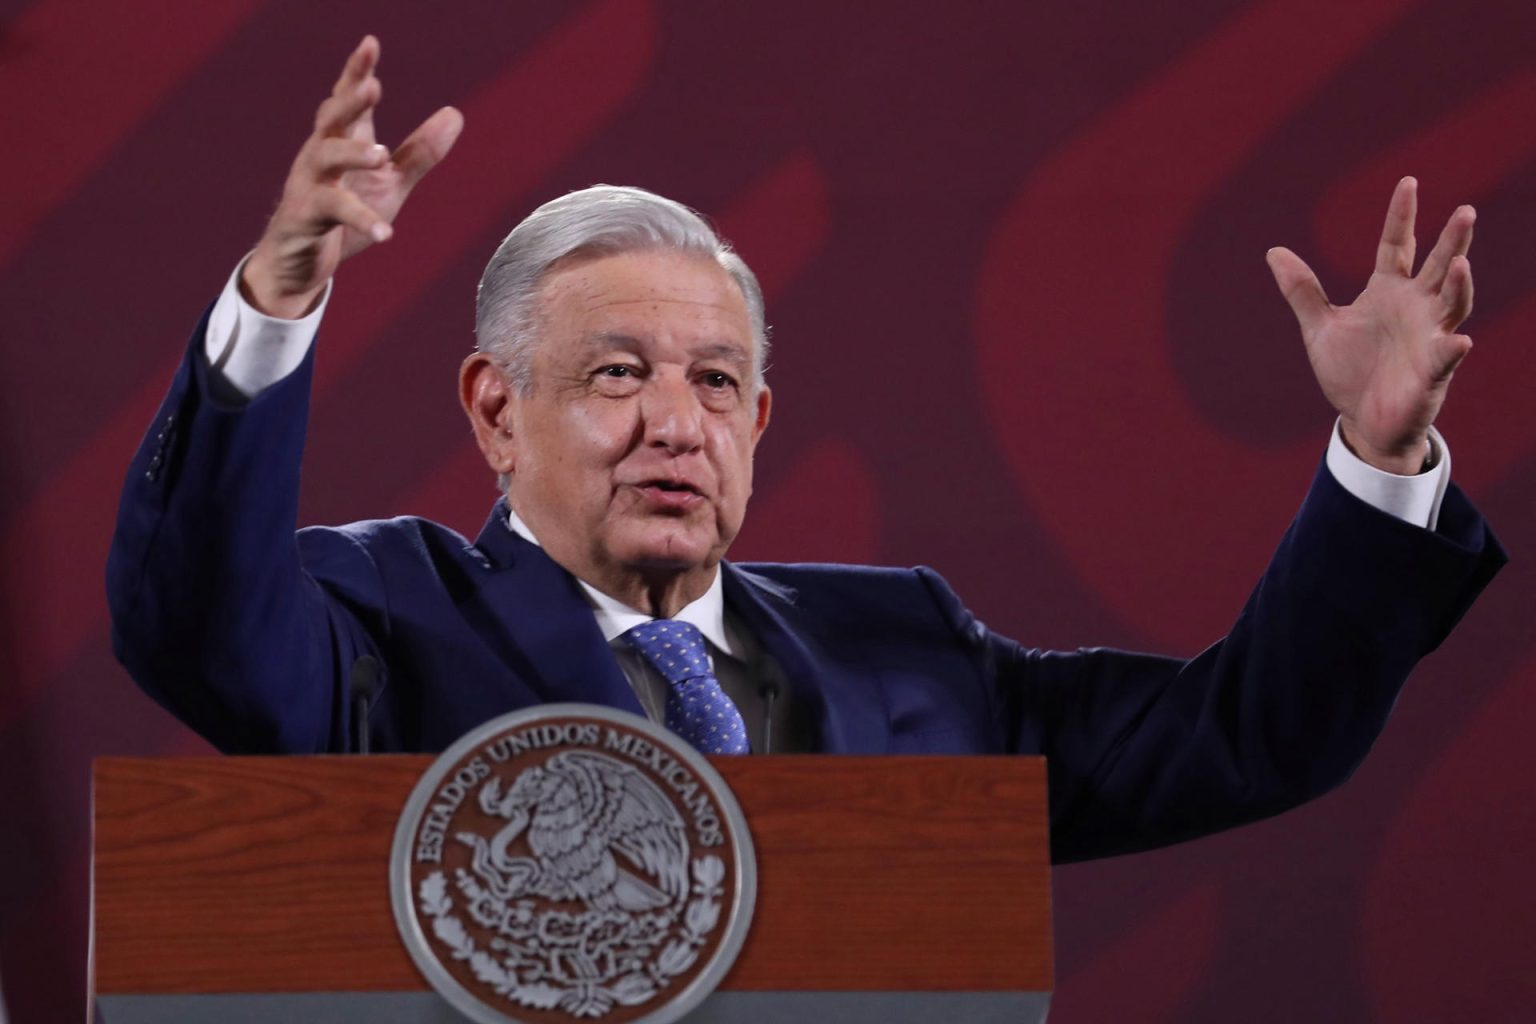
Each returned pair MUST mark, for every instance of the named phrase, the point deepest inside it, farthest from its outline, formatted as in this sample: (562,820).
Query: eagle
(576,810)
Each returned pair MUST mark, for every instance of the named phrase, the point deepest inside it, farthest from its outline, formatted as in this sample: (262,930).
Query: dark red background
(1014,261)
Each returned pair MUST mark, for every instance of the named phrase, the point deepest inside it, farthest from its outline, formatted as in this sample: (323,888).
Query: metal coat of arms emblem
(572,862)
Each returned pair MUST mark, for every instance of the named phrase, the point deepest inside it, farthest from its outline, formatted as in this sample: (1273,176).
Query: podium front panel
(256,888)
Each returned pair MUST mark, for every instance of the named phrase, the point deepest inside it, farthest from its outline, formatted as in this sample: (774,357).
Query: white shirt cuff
(250,351)
(1413,499)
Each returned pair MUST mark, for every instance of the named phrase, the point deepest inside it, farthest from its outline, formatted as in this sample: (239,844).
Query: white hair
(603,220)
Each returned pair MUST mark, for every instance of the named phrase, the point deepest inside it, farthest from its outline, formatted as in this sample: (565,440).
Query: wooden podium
(256,888)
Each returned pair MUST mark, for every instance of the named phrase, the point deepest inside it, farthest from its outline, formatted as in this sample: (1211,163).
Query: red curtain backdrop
(1024,334)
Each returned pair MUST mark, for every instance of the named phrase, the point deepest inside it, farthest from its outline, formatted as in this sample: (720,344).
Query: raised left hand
(1385,360)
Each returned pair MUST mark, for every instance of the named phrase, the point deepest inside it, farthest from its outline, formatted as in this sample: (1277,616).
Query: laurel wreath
(699,920)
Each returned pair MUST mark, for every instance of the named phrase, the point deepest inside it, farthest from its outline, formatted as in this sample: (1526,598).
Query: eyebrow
(727,350)
(601,340)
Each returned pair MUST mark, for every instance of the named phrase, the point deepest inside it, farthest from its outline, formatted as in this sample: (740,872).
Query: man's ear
(486,395)
(764,407)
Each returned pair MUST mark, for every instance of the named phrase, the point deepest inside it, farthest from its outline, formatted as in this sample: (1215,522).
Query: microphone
(770,693)
(364,686)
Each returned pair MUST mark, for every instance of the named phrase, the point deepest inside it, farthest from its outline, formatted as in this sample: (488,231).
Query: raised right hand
(342,193)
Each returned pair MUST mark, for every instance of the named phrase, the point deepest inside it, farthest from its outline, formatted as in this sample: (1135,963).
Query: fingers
(1394,253)
(349,108)
(328,206)
(360,64)
(1455,239)
(328,159)
(1300,287)
(428,144)
(343,111)
(1456,293)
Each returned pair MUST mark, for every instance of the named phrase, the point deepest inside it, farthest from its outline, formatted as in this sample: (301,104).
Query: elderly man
(618,393)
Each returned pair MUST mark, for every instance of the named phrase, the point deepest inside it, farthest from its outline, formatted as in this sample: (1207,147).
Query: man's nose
(673,415)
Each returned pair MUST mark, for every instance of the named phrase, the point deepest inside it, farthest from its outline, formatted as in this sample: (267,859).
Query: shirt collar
(615,618)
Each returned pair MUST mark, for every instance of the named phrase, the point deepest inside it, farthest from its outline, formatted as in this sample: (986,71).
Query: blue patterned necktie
(697,709)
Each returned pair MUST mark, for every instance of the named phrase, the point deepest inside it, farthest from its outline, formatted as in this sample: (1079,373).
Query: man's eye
(717,380)
(616,371)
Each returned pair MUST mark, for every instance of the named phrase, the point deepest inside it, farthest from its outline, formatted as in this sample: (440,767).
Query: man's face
(632,453)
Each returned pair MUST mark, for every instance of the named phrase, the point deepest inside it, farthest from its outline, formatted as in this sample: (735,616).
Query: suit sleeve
(213,612)
(1145,750)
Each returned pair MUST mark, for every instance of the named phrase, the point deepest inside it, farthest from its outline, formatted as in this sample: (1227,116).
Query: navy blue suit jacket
(247,631)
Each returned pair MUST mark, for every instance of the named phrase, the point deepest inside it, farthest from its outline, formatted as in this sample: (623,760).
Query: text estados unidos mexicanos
(693,795)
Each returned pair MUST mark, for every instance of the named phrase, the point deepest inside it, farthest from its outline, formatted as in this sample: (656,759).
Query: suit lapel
(852,715)
(547,634)
(551,636)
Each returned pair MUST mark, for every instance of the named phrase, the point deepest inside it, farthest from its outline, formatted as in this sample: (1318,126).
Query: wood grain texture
(271,874)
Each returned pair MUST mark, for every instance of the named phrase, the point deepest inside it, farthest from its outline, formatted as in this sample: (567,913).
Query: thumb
(428,144)
(1299,286)
(1449,350)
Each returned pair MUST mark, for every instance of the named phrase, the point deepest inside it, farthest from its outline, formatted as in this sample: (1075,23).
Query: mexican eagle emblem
(583,880)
